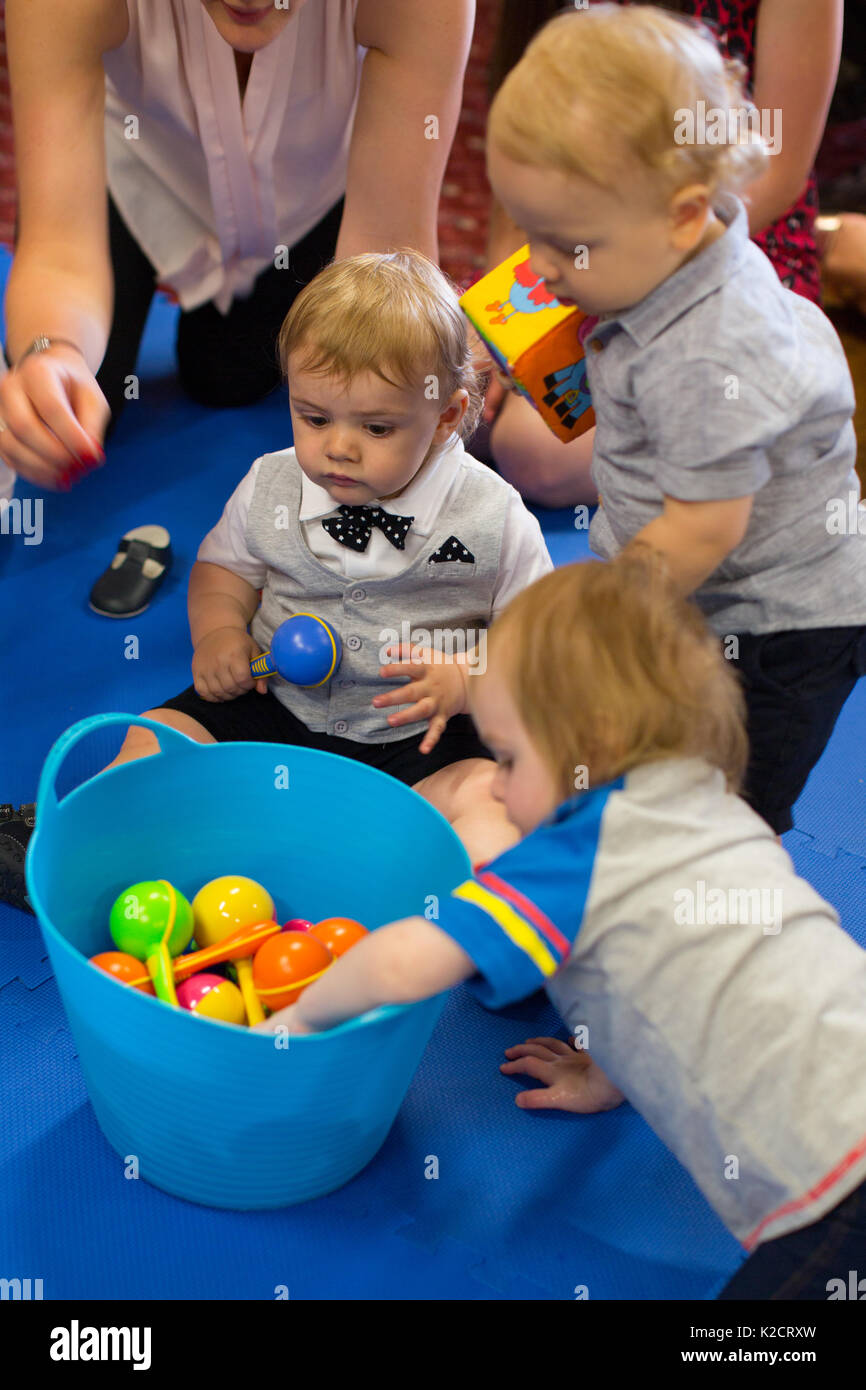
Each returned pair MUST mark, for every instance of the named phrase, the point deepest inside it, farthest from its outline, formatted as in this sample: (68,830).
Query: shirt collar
(422,498)
(698,278)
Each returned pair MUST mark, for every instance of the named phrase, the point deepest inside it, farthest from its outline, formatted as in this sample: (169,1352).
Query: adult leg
(543,469)
(134,287)
(231,359)
(461,792)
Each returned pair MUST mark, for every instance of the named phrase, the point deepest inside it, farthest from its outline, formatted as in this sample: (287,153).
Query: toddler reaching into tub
(705,981)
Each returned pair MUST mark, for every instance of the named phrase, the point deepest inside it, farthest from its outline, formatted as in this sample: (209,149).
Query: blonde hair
(631,72)
(609,668)
(394,313)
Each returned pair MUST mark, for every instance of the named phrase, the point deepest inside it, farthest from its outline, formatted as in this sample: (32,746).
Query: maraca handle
(159,965)
(252,1003)
(263,666)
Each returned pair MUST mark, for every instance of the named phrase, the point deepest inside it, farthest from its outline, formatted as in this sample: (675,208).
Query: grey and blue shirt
(711,984)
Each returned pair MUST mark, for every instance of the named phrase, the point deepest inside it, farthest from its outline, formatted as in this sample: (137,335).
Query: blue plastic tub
(215,1113)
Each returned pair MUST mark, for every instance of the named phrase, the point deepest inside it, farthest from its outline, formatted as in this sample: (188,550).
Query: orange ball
(285,964)
(339,933)
(124,968)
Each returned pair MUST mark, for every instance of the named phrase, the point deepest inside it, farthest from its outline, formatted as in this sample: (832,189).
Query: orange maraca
(241,945)
(124,968)
(339,933)
(284,965)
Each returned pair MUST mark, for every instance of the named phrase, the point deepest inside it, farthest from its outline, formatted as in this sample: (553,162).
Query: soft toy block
(534,340)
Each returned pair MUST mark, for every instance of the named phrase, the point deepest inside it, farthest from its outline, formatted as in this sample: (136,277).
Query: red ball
(297,924)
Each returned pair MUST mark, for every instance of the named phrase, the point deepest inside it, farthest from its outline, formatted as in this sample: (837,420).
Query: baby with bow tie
(378,521)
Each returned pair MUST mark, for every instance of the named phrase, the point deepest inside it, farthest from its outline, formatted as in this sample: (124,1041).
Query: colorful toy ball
(153,922)
(285,964)
(297,924)
(210,996)
(125,968)
(339,933)
(227,905)
(305,650)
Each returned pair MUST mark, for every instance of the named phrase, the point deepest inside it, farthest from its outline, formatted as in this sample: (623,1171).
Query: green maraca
(153,922)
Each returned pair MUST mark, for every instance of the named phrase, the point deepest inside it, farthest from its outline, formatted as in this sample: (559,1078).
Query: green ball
(140,916)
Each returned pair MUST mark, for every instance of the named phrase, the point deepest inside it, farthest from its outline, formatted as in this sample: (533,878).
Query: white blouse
(211,186)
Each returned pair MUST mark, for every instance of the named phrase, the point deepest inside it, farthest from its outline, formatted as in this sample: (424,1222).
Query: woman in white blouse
(241,147)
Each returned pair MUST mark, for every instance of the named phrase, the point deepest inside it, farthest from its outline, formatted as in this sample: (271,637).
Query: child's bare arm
(220,606)
(398,964)
(218,598)
(695,537)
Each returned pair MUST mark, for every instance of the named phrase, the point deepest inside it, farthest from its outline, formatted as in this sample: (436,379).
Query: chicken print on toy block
(535,341)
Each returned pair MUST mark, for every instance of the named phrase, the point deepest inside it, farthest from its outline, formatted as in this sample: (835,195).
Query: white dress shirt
(523,557)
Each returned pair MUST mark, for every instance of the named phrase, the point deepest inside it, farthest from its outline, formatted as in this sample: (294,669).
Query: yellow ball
(227,905)
(224,1002)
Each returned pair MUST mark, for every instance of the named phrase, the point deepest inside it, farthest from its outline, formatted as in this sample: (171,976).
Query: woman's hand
(221,664)
(54,416)
(436,691)
(572,1080)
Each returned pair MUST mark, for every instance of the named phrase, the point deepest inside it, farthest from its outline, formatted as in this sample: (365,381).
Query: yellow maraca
(227,905)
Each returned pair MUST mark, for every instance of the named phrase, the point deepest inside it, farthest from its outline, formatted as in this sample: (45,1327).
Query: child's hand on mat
(221,664)
(572,1080)
(436,690)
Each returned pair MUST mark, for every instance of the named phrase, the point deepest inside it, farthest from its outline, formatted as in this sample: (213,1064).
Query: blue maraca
(304,650)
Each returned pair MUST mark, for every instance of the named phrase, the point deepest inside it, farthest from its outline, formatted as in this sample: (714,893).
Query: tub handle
(171,741)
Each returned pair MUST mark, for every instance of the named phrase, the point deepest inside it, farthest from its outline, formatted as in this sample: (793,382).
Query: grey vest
(451,600)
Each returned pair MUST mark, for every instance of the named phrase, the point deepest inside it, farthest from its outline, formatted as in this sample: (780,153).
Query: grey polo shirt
(719,384)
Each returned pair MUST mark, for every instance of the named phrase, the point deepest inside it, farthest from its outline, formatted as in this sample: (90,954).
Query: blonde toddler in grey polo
(719,384)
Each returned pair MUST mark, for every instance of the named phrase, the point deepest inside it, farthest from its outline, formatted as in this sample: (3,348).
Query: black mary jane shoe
(142,561)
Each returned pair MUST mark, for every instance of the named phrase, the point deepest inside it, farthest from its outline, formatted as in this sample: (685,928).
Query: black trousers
(223,359)
(795,684)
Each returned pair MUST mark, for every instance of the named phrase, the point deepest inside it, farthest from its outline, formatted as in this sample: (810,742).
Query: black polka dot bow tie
(354,526)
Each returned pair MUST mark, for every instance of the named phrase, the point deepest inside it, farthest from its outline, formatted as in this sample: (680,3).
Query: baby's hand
(287,1019)
(436,692)
(221,664)
(572,1080)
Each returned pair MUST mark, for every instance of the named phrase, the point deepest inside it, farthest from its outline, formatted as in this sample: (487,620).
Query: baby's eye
(384,431)
(314,420)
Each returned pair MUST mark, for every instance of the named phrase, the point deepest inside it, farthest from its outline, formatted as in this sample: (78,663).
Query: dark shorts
(795,685)
(802,1265)
(254,718)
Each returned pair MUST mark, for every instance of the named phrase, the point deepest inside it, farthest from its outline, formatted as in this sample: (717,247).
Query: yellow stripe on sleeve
(511,922)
